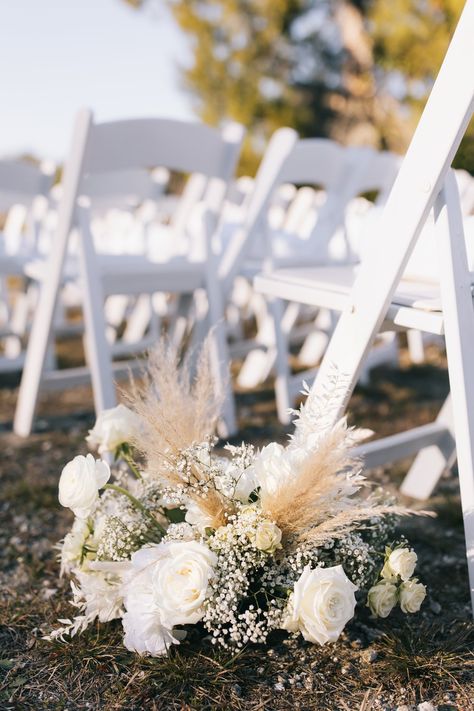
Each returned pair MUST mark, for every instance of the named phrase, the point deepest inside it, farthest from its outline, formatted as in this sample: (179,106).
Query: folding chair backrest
(372,171)
(122,189)
(147,143)
(313,161)
(21,183)
(318,162)
(127,147)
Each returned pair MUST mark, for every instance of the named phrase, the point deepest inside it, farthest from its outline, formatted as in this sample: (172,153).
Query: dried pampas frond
(316,503)
(321,410)
(346,521)
(321,484)
(177,408)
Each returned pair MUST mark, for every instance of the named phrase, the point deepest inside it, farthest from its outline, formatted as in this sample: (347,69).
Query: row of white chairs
(101,237)
(114,237)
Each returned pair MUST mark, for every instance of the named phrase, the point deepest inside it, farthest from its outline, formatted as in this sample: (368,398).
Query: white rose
(267,537)
(412,594)
(322,603)
(271,468)
(180,581)
(401,562)
(166,585)
(113,428)
(71,549)
(382,598)
(80,482)
(144,631)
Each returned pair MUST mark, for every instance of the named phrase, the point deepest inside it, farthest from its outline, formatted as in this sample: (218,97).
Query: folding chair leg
(431,462)
(416,346)
(38,344)
(220,354)
(97,348)
(141,319)
(458,313)
(258,362)
(181,319)
(284,400)
(18,319)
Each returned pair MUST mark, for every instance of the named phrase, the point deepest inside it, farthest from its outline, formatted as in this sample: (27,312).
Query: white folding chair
(287,162)
(120,146)
(344,173)
(22,189)
(377,294)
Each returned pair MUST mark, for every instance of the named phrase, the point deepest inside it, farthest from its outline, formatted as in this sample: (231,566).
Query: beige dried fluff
(316,488)
(317,503)
(177,409)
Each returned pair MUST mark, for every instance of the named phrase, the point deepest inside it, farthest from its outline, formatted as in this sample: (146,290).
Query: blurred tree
(270,63)
(410,40)
(356,70)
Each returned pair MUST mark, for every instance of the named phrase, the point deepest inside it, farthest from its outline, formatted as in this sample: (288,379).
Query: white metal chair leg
(180,323)
(141,319)
(458,312)
(98,353)
(284,400)
(220,349)
(18,321)
(416,346)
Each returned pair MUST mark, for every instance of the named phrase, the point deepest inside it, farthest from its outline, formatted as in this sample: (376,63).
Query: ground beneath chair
(375,665)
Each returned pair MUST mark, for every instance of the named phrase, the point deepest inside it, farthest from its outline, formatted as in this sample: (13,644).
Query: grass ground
(377,664)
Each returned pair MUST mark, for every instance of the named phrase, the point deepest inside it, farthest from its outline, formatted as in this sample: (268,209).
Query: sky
(59,55)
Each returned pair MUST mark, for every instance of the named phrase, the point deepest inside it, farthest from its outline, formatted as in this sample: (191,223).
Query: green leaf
(175,515)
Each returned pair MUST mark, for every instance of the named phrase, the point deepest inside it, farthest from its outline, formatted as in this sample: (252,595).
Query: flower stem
(124,452)
(132,465)
(138,505)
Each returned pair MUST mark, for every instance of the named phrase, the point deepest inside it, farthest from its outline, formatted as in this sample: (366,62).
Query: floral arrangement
(170,531)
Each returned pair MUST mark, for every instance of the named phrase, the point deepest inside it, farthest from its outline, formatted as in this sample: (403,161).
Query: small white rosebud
(267,537)
(400,563)
(412,594)
(382,598)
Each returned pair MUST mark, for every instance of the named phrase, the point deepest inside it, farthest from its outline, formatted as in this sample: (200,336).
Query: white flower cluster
(396,584)
(233,614)
(113,428)
(208,545)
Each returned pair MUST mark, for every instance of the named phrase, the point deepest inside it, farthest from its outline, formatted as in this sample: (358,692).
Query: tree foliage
(356,70)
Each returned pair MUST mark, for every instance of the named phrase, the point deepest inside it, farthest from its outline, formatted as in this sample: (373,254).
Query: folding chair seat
(330,287)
